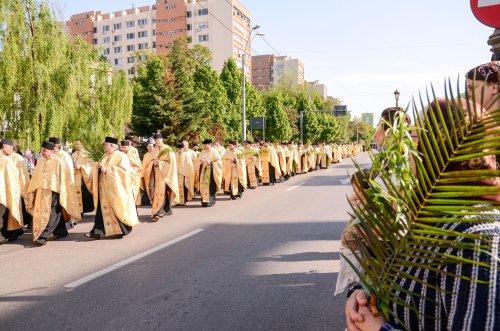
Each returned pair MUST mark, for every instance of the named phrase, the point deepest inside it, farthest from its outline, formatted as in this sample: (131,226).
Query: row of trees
(51,85)
(183,97)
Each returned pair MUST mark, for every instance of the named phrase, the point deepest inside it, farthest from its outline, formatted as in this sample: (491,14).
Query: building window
(131,59)
(105,28)
(203,37)
(95,30)
(130,24)
(170,7)
(154,44)
(130,36)
(117,38)
(142,34)
(95,41)
(188,14)
(130,48)
(118,49)
(143,46)
(117,26)
(143,21)
(130,72)
(118,62)
(154,32)
(202,12)
(189,27)
(105,51)
(106,40)
(203,25)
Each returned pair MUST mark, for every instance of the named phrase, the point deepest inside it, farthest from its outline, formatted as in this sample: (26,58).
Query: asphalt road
(266,262)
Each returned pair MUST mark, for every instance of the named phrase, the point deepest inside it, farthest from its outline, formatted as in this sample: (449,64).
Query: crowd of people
(49,194)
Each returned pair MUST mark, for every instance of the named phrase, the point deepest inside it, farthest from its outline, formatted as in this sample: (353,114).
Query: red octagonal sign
(487,12)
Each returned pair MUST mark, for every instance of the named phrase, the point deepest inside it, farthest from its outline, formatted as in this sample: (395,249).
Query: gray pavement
(266,262)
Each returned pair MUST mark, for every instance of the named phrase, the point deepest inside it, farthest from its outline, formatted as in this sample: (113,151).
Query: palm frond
(400,217)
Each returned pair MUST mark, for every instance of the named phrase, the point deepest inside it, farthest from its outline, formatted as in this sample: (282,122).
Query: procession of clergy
(63,187)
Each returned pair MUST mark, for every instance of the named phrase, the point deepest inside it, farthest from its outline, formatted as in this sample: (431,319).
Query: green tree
(278,126)
(52,86)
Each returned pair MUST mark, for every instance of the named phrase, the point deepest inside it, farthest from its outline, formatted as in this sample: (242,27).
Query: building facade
(222,26)
(270,70)
(367,118)
(318,88)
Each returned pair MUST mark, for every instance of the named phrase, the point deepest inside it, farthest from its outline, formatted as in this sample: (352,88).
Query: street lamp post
(396,96)
(243,87)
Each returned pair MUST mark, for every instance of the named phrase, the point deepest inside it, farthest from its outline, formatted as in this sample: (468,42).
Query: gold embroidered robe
(204,170)
(83,159)
(10,192)
(234,170)
(50,175)
(157,177)
(113,190)
(186,174)
(22,170)
(268,156)
(252,161)
(135,174)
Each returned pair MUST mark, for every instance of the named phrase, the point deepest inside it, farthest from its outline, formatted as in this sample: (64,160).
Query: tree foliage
(53,86)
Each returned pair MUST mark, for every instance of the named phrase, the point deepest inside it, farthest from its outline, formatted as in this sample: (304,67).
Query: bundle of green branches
(422,188)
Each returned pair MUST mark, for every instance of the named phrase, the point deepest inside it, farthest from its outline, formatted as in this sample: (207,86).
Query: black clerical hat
(207,141)
(55,140)
(130,138)
(111,140)
(157,136)
(125,142)
(48,145)
(233,142)
(180,145)
(8,142)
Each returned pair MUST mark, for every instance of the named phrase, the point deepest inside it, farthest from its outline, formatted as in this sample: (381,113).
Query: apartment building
(319,88)
(270,70)
(222,26)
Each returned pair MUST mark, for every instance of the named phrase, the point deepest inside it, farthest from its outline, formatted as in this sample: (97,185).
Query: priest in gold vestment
(50,194)
(135,169)
(116,213)
(11,221)
(281,153)
(186,161)
(8,148)
(270,164)
(234,171)
(160,179)
(254,167)
(210,174)
(294,158)
(83,162)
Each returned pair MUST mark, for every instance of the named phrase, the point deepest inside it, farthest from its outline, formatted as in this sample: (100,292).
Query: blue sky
(362,50)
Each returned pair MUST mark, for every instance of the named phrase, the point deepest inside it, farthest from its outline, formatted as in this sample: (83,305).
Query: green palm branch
(403,220)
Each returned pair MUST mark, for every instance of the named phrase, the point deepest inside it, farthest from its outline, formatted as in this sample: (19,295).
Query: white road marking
(130,260)
(294,187)
(345,181)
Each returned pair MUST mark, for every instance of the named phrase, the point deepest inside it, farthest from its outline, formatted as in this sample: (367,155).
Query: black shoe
(41,241)
(169,213)
(60,236)
(4,241)
(92,235)
(161,214)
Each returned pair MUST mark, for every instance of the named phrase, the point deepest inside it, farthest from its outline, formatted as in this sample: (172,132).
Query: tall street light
(396,96)
(243,88)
